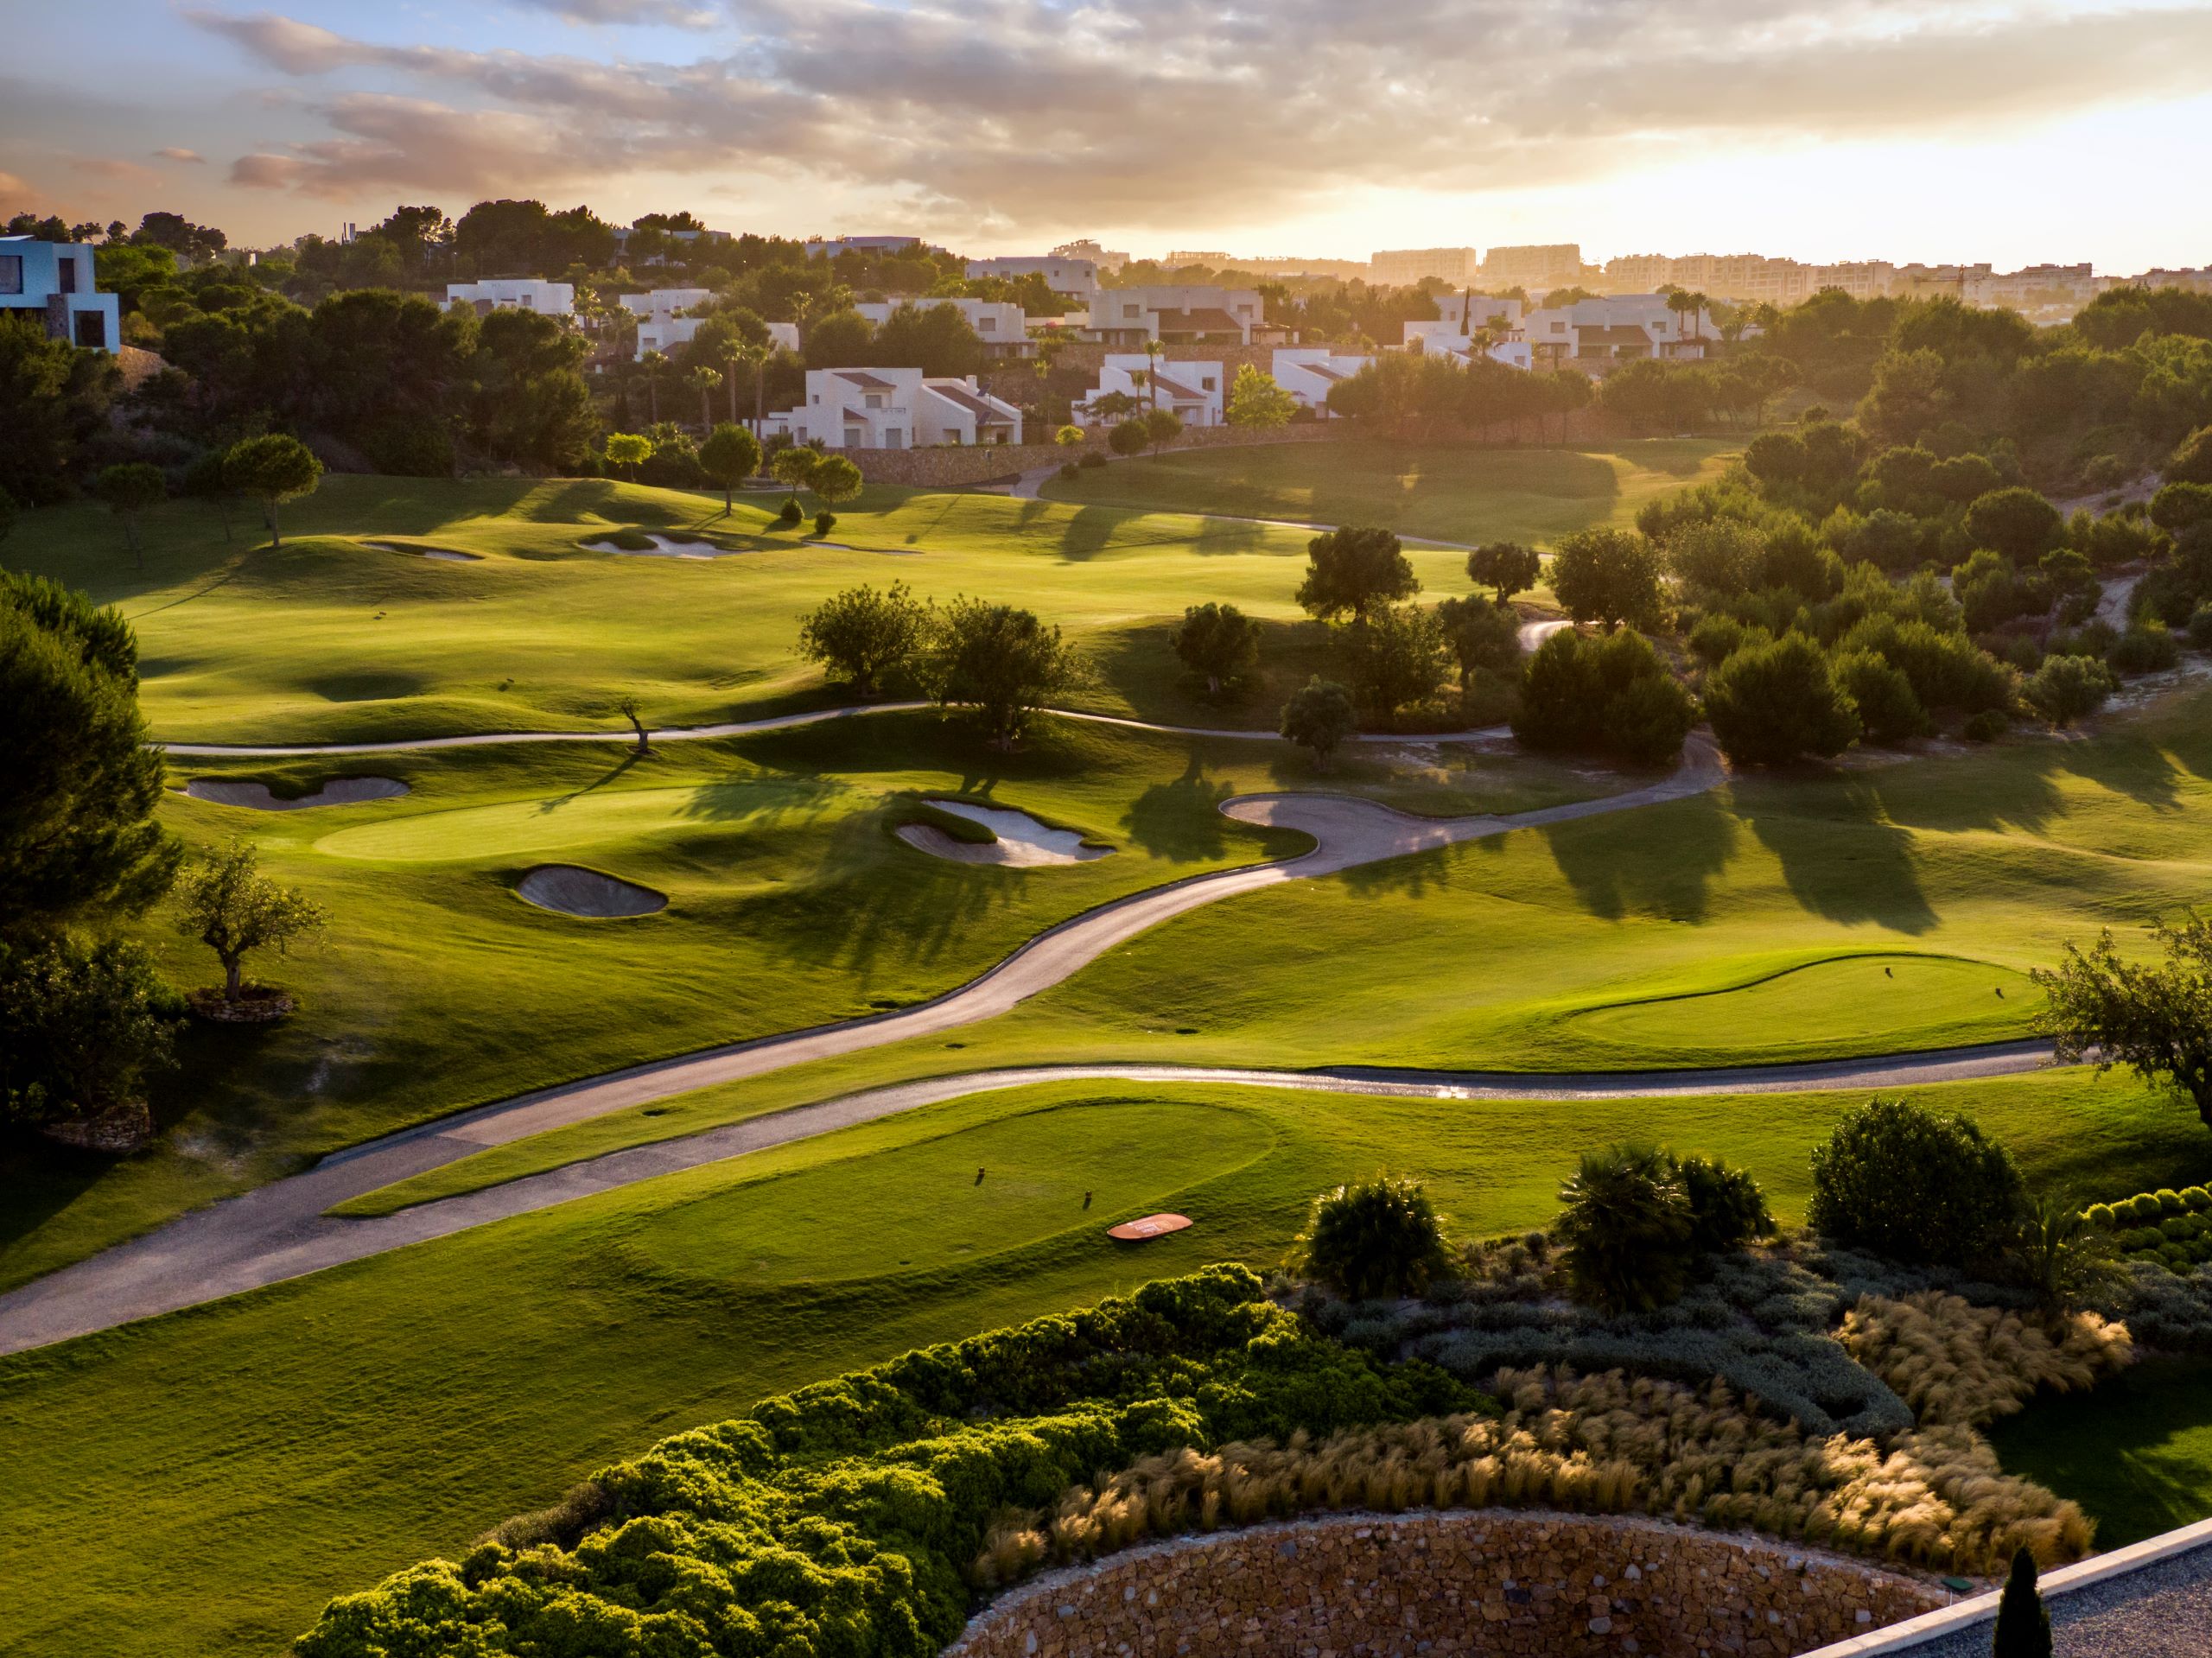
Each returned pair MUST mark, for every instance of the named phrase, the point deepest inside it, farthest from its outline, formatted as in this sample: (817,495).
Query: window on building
(987,324)
(1128,310)
(11,273)
(528,302)
(894,437)
(92,330)
(875,400)
(1206,385)
(66,269)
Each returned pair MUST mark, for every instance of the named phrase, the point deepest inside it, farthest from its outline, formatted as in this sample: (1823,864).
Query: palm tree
(1154,351)
(755,355)
(704,380)
(655,364)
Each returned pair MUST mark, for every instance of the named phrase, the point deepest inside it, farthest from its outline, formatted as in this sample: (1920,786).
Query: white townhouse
(1309,373)
(1078,278)
(895,409)
(661,325)
(515,294)
(53,281)
(1618,328)
(1002,328)
(1197,392)
(1176,313)
(1447,339)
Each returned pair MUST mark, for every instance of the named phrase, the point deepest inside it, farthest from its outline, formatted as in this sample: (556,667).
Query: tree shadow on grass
(1848,862)
(1181,821)
(1657,862)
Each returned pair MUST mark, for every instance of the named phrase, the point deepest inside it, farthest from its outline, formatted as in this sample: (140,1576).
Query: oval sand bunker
(572,890)
(665,547)
(1023,842)
(338,792)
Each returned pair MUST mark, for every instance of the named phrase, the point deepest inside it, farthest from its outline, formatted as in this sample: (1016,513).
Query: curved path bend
(280,1231)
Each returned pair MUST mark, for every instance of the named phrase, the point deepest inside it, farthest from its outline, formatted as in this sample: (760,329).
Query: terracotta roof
(862,378)
(1172,388)
(1614,333)
(1321,369)
(954,392)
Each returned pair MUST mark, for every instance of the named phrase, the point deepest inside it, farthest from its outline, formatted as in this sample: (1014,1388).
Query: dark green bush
(1625,1229)
(2066,688)
(1727,1208)
(1775,702)
(1380,1237)
(2143,650)
(1915,1186)
(1609,694)
(1888,711)
(1986,727)
(2200,628)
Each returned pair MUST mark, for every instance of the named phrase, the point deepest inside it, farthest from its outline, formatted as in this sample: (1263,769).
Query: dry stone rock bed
(570,889)
(1483,1583)
(256,796)
(1023,842)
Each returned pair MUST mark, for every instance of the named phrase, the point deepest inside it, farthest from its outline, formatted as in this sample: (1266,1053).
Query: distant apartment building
(2034,285)
(1002,328)
(1077,278)
(1195,392)
(1309,373)
(1746,278)
(1403,267)
(1592,332)
(514,293)
(1178,314)
(54,282)
(1085,248)
(2196,281)
(623,234)
(829,247)
(1557,264)
(895,409)
(1213,258)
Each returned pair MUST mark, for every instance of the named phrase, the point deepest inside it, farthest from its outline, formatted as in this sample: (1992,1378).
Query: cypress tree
(2022,1625)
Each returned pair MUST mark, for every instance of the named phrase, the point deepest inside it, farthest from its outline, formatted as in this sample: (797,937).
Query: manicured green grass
(791,902)
(212,1477)
(1649,938)
(333,637)
(2136,1454)
(1450,492)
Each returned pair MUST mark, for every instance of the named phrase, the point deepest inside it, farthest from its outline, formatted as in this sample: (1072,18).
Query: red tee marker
(1151,1226)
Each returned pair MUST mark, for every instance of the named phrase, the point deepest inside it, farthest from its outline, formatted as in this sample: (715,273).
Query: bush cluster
(2172,1228)
(839,1519)
(1915,1186)
(1608,694)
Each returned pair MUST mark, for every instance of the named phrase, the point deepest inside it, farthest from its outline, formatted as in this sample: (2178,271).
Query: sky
(1906,129)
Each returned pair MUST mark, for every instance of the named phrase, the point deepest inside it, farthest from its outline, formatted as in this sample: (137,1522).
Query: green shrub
(1915,1186)
(2200,628)
(2144,1208)
(1776,701)
(1610,693)
(1888,710)
(1381,1237)
(2065,688)
(2099,1214)
(2146,649)
(2168,1200)
(1092,458)
(2199,1199)
(1626,1229)
(1986,727)
(1727,1208)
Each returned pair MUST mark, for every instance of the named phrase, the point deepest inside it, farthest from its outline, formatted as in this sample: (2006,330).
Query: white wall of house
(1198,392)
(1309,372)
(895,409)
(1514,351)
(54,282)
(1498,315)
(1078,277)
(1552,332)
(515,294)
(1002,326)
(1126,315)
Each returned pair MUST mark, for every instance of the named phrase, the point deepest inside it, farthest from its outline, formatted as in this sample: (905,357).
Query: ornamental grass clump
(1958,1365)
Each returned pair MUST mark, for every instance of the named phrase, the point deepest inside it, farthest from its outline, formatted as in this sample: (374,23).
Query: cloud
(113,169)
(267,172)
(1179,113)
(175,154)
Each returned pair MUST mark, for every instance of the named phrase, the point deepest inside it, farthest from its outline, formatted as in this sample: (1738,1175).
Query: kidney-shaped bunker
(573,890)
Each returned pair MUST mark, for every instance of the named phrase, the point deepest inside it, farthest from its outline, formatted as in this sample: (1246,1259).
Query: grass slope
(2136,1454)
(1450,492)
(212,1477)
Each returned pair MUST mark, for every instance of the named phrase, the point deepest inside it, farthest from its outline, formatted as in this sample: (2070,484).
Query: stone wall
(1486,1584)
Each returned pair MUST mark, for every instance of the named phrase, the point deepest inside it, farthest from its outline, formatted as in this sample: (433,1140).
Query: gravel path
(2156,1611)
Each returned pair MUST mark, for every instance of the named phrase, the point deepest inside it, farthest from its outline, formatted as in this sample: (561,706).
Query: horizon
(1907,135)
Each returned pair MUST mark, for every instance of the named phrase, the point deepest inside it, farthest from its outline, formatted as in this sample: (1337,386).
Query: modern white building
(52,281)
(1445,339)
(1196,392)
(1178,313)
(1309,373)
(1618,328)
(661,325)
(514,293)
(1076,277)
(1003,327)
(895,409)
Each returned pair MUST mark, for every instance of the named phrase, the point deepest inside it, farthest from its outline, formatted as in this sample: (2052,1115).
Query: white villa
(54,281)
(1514,351)
(662,325)
(895,409)
(1197,392)
(1002,328)
(1615,329)
(1309,372)
(1077,278)
(1179,313)
(514,293)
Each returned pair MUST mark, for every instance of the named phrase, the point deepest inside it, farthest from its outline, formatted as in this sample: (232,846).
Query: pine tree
(2022,1625)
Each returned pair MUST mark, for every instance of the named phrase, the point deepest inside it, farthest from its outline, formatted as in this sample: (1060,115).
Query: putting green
(586,819)
(1906,1000)
(926,1209)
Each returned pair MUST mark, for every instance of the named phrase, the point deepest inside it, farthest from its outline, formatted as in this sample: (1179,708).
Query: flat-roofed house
(54,282)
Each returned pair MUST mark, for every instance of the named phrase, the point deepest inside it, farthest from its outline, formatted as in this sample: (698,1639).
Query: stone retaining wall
(1486,1584)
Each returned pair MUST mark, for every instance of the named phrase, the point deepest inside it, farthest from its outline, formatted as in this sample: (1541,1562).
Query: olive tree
(1505,567)
(273,469)
(1397,658)
(2153,1017)
(1318,718)
(129,489)
(859,635)
(1003,662)
(1218,641)
(228,905)
(1610,576)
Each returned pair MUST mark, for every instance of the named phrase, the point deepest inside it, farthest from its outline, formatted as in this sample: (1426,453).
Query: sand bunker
(573,890)
(1023,842)
(338,792)
(447,554)
(667,547)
